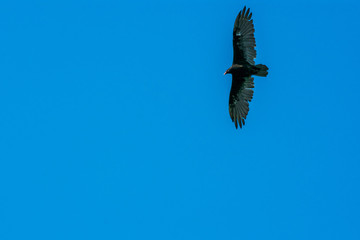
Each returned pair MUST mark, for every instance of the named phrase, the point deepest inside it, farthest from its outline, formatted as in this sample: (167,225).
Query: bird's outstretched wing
(243,38)
(241,94)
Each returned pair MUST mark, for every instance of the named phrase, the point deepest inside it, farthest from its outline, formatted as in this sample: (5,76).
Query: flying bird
(243,67)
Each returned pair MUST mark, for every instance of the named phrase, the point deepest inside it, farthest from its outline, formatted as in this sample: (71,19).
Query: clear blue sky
(114,122)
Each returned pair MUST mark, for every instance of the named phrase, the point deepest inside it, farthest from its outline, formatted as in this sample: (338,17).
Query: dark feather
(243,38)
(241,94)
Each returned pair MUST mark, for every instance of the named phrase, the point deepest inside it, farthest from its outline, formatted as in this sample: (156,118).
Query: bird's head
(228,71)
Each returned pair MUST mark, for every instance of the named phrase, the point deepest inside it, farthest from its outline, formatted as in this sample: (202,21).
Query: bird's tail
(262,72)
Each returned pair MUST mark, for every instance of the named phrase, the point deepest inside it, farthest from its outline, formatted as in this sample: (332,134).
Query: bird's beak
(225,73)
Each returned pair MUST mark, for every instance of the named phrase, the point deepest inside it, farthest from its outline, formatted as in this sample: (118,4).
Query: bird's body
(243,68)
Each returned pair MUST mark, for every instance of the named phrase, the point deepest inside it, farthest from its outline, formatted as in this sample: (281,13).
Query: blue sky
(114,121)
